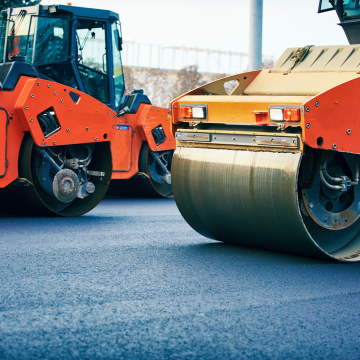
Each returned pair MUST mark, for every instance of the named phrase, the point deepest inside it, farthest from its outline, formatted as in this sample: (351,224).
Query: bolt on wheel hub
(67,185)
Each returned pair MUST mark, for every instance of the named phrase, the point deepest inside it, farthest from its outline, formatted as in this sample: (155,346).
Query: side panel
(152,117)
(15,135)
(121,154)
(123,150)
(82,119)
(143,122)
(15,132)
(3,142)
(331,119)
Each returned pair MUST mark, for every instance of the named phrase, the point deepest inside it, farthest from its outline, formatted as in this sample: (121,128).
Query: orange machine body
(84,120)
(327,100)
(132,130)
(328,120)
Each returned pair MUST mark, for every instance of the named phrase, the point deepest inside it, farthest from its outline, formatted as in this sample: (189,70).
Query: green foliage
(4,4)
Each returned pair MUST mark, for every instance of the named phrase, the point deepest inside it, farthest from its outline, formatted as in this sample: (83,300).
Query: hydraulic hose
(324,175)
(334,187)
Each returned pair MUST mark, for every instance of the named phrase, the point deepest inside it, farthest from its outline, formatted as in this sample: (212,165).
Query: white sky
(221,25)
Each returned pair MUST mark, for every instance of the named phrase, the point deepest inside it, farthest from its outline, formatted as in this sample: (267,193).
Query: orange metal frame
(250,110)
(132,130)
(86,121)
(331,119)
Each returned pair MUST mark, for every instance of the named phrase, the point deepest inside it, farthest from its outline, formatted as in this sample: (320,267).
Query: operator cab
(77,47)
(348,12)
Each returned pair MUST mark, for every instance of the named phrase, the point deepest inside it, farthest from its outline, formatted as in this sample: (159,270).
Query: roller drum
(251,198)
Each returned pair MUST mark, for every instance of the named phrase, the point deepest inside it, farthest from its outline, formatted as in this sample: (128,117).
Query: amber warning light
(198,112)
(186,112)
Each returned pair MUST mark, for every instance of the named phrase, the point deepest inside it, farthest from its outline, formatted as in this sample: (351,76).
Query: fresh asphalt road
(131,280)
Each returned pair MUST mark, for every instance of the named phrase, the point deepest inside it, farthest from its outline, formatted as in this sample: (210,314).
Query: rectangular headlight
(276,114)
(198,113)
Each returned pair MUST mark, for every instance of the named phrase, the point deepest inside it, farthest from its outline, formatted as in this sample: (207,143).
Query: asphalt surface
(131,280)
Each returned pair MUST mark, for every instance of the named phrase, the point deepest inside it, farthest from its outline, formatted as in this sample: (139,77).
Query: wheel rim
(155,175)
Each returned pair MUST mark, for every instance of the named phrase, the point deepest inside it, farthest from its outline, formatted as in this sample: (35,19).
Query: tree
(162,85)
(132,78)
(268,64)
(4,4)
(154,82)
(157,87)
(188,78)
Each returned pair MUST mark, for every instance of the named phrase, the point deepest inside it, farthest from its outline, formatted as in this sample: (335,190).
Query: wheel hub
(332,202)
(66,185)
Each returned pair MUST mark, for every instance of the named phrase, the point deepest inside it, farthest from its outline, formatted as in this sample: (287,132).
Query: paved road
(131,280)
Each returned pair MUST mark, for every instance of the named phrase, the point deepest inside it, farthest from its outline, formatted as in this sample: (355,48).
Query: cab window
(52,40)
(17,34)
(325,5)
(48,49)
(351,9)
(118,75)
(92,59)
(2,38)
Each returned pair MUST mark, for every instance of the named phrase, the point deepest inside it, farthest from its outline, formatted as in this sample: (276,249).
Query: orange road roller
(67,125)
(274,164)
(55,156)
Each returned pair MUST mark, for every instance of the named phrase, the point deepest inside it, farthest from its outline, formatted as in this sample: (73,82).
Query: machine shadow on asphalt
(241,253)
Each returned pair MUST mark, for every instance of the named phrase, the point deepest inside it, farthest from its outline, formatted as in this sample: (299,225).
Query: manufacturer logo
(122,127)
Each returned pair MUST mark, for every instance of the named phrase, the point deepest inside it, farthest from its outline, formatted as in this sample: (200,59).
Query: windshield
(119,83)
(52,40)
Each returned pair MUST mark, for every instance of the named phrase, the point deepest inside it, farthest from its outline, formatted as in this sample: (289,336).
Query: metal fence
(176,58)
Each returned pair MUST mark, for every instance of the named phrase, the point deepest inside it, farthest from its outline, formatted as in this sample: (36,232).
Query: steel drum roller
(251,198)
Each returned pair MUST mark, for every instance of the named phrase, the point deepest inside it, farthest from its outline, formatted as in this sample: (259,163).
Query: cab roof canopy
(98,14)
(79,11)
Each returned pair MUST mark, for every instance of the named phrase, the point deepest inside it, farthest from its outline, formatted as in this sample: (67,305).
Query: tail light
(193,112)
(287,113)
